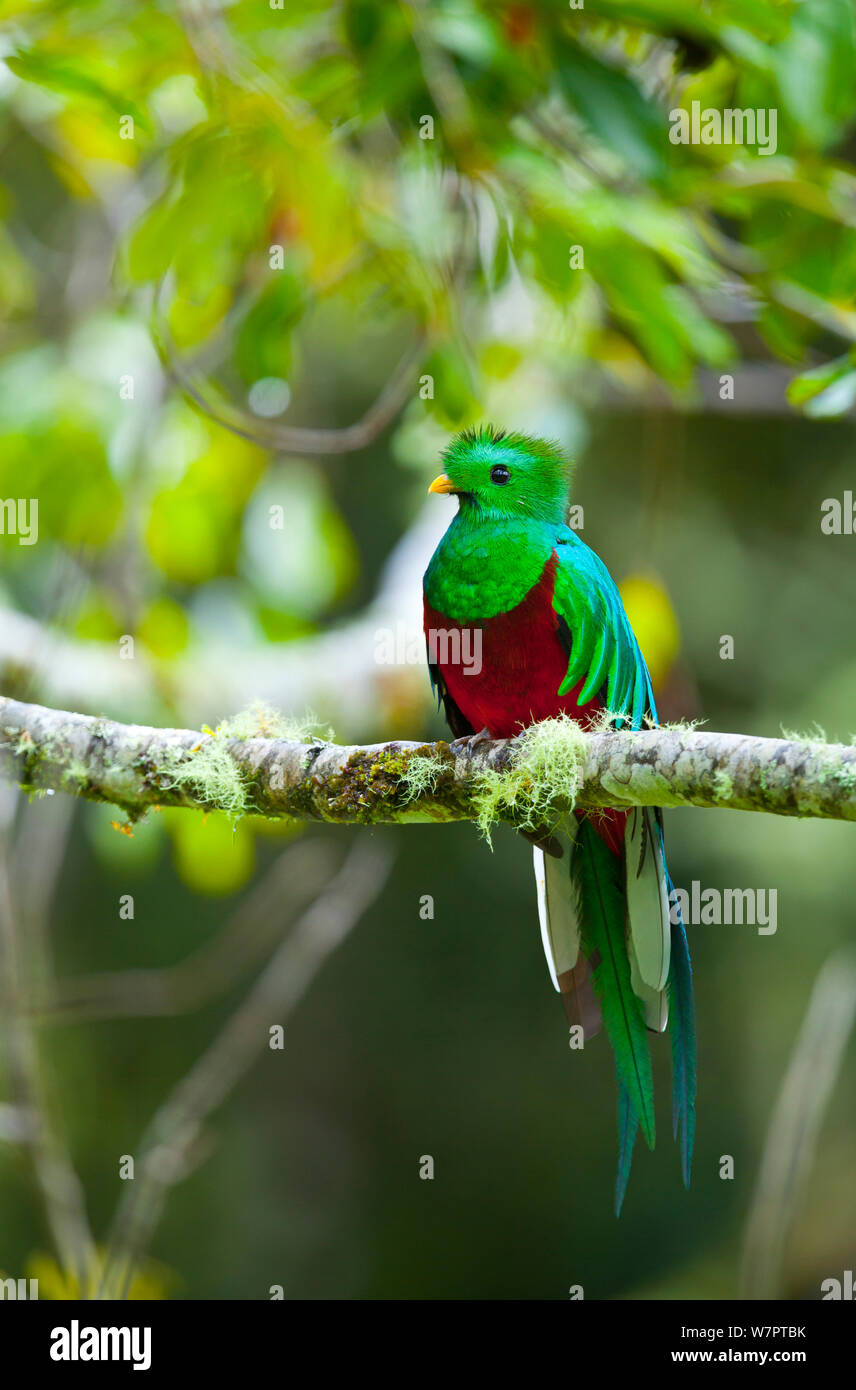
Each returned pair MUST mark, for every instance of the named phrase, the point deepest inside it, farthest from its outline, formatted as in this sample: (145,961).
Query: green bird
(513,583)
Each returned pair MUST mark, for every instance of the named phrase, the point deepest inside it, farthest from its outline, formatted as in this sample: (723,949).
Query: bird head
(510,476)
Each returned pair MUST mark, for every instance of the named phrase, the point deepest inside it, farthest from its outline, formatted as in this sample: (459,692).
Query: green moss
(23,745)
(845,777)
(541,785)
(421,773)
(535,791)
(723,785)
(211,774)
(607,721)
(371,782)
(75,776)
(262,721)
(34,756)
(815,735)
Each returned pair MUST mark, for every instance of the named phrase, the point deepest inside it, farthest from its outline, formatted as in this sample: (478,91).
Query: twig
(61,1190)
(172,1136)
(792,1136)
(294,439)
(296,875)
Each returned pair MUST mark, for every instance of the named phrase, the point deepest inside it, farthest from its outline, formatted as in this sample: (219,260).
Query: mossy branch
(261,766)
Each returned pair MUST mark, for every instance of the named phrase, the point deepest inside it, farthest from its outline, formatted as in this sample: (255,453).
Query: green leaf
(264,343)
(55,72)
(816,68)
(455,400)
(614,109)
(827,390)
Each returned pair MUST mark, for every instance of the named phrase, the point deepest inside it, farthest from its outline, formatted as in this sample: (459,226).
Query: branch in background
(30,1119)
(168,1146)
(296,876)
(135,768)
(16,1125)
(791,1142)
(294,439)
(335,673)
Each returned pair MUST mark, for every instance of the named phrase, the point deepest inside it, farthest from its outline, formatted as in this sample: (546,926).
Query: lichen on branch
(213,775)
(271,768)
(535,787)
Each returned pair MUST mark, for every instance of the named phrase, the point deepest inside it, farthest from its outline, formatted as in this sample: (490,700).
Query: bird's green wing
(602,650)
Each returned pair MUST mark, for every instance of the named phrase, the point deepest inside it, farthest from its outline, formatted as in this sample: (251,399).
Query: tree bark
(135,768)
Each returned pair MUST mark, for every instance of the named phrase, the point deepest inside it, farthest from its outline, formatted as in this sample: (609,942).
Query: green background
(150,256)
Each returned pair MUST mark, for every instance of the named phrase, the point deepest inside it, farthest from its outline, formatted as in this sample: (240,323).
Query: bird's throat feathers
(484,566)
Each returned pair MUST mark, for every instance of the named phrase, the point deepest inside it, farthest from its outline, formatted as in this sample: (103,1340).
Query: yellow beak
(442,484)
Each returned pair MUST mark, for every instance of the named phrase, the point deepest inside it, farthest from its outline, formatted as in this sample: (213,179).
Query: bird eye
(499,474)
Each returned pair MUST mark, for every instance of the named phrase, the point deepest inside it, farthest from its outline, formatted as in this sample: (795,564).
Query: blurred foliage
(153,1281)
(258,183)
(251,163)
(236,212)
(259,186)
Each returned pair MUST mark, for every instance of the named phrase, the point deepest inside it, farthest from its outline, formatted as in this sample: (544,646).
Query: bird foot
(470,742)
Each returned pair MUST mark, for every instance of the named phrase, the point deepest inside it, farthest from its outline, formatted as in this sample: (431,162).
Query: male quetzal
(555,638)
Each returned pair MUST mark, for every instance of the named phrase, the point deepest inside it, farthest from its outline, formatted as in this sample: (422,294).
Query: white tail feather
(560,931)
(655,1002)
(647,899)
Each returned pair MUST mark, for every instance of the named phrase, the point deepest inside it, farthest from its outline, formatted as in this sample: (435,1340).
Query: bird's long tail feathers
(598,878)
(628,1124)
(649,932)
(569,969)
(683,1037)
(672,954)
(617,951)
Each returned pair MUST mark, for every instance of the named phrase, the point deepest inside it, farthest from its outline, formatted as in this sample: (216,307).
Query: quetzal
(554,637)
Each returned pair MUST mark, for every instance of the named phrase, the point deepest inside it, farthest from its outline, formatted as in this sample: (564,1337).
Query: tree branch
(135,768)
(296,439)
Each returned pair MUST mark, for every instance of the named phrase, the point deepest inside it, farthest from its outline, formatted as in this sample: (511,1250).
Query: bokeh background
(230,230)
